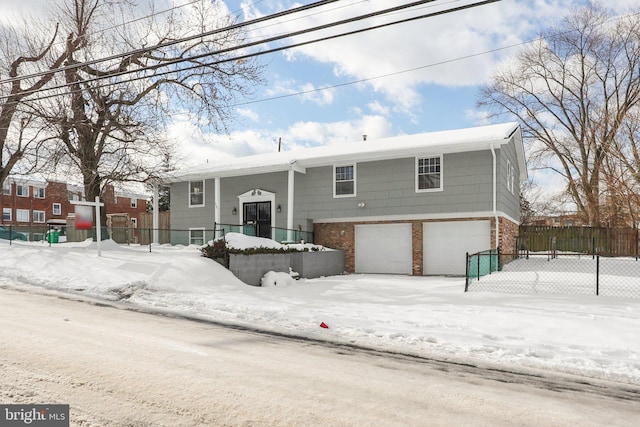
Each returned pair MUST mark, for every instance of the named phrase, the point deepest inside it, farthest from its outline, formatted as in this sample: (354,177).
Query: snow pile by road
(428,316)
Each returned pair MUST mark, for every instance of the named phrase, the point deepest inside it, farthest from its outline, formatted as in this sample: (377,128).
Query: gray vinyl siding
(386,187)
(508,202)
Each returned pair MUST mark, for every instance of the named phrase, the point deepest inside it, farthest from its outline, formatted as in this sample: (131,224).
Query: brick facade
(31,203)
(341,235)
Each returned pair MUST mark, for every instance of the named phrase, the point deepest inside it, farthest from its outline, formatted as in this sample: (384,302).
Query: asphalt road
(118,367)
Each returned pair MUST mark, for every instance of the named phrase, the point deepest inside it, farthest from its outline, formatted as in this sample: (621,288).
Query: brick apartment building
(26,202)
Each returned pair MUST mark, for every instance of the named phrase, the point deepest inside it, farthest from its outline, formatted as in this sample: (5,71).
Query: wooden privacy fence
(588,240)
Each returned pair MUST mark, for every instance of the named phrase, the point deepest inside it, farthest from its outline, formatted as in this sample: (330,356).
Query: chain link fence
(553,273)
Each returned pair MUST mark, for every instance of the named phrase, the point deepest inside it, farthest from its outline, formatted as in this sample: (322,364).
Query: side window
(344,181)
(428,174)
(510,177)
(196,193)
(57,209)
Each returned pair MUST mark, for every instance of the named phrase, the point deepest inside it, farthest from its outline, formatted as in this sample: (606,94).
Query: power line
(173,42)
(271,39)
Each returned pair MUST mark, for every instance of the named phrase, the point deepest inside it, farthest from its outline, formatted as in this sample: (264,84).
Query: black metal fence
(53,234)
(553,273)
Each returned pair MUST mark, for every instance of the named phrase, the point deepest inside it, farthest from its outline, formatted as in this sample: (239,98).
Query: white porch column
(156,214)
(290,189)
(216,209)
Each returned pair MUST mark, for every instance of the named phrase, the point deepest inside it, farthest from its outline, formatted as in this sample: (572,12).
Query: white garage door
(445,244)
(383,248)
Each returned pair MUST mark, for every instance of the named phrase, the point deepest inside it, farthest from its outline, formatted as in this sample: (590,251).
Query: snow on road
(118,367)
(427,316)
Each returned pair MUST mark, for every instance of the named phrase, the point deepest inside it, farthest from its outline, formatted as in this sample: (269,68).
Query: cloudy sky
(408,78)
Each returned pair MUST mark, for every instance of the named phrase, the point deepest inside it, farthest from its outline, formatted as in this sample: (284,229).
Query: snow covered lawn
(428,316)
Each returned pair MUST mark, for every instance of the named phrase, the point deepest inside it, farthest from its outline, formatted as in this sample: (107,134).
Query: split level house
(411,204)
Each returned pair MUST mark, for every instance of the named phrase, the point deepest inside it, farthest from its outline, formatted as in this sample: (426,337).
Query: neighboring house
(29,202)
(411,204)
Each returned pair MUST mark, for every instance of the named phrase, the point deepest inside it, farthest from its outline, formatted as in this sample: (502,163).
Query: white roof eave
(393,148)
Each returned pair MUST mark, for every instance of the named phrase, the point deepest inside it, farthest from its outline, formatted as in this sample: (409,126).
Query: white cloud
(377,108)
(195,147)
(431,47)
(249,114)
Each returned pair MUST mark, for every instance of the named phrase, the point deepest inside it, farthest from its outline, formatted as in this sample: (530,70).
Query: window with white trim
(6,188)
(57,209)
(196,193)
(6,214)
(428,173)
(344,181)
(134,203)
(22,215)
(22,190)
(39,192)
(38,216)
(510,177)
(196,236)
(134,222)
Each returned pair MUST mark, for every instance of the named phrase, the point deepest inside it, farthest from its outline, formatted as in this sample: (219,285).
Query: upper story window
(22,190)
(428,173)
(6,188)
(134,203)
(39,192)
(196,193)
(510,177)
(344,181)
(57,209)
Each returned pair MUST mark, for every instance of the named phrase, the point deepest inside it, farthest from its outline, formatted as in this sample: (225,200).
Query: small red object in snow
(324,325)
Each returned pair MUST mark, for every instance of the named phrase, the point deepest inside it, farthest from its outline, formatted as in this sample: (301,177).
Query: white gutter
(290,192)
(495,196)
(216,203)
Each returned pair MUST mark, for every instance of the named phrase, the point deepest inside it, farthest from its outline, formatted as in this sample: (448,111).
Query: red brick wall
(57,192)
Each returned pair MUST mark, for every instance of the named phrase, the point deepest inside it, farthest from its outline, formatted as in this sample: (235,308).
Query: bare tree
(27,59)
(572,91)
(108,120)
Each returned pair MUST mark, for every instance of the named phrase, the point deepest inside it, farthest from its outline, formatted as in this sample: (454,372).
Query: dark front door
(258,214)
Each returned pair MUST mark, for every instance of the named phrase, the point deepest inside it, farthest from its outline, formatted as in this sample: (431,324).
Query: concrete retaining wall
(317,264)
(251,268)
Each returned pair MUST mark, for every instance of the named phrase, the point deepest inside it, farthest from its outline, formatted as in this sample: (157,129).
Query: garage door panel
(383,248)
(445,244)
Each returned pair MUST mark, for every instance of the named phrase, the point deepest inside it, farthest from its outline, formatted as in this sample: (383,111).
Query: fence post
(598,275)
(466,275)
(593,247)
(479,258)
(10,233)
(150,241)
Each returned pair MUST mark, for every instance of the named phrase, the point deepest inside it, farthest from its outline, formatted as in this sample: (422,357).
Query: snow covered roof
(443,142)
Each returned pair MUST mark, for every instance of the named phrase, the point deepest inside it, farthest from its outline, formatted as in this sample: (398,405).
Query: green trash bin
(53,236)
